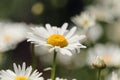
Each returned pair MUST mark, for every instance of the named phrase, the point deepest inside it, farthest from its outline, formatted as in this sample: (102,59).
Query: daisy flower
(84,20)
(11,34)
(20,73)
(109,53)
(61,40)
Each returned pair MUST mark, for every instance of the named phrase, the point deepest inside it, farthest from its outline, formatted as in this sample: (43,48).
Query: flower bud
(99,63)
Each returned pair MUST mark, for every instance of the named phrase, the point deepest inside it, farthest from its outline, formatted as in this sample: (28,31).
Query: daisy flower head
(109,53)
(11,34)
(20,73)
(59,39)
(84,20)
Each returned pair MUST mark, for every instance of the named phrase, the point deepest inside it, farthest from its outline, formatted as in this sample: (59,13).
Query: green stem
(98,74)
(53,66)
(34,61)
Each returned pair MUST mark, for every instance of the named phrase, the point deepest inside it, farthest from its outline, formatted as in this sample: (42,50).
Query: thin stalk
(98,74)
(54,66)
(34,60)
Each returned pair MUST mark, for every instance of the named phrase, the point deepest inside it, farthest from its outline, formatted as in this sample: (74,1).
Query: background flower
(11,34)
(108,52)
(85,20)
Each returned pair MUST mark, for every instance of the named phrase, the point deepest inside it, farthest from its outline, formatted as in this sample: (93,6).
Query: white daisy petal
(49,28)
(10,72)
(73,39)
(55,30)
(63,28)
(72,49)
(15,68)
(28,71)
(42,30)
(82,37)
(52,50)
(71,32)
(65,51)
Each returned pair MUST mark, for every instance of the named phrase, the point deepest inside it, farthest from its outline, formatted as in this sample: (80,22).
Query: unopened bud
(99,63)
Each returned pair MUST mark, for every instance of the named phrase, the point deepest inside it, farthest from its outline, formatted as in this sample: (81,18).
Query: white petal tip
(84,47)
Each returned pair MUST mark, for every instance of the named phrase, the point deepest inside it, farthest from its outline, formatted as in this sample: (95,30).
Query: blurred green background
(49,11)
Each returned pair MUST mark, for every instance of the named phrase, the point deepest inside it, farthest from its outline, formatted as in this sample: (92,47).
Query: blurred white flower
(11,34)
(112,5)
(85,20)
(101,13)
(20,73)
(61,40)
(113,76)
(93,33)
(110,53)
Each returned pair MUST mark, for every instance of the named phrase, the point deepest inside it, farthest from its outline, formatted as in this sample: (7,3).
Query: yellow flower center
(21,78)
(7,38)
(57,40)
(85,23)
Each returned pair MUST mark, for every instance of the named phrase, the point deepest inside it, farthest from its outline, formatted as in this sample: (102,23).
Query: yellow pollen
(7,38)
(86,23)
(21,78)
(57,40)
